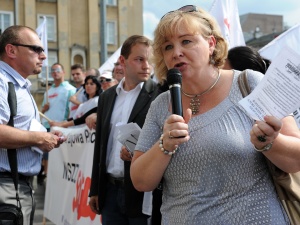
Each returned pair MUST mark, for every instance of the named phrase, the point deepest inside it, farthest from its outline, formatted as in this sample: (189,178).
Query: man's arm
(12,138)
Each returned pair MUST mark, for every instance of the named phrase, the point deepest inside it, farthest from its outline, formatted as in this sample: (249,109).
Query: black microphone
(174,82)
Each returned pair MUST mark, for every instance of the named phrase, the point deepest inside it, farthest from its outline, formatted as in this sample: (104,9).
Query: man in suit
(112,193)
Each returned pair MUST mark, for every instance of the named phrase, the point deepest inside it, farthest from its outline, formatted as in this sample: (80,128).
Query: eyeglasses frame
(37,49)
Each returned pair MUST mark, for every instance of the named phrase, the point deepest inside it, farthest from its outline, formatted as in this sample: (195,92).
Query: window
(111,32)
(51,26)
(52,58)
(6,20)
(111,2)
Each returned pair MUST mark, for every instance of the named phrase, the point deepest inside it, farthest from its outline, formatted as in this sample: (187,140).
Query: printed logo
(80,201)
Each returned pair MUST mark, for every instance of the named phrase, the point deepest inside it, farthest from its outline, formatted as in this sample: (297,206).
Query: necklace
(195,101)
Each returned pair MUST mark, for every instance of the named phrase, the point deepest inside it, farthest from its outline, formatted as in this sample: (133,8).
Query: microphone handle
(175,91)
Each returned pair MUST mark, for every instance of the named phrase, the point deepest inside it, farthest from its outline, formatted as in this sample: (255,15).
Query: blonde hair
(198,22)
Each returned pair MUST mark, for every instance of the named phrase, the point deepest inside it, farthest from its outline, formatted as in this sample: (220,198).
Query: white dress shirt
(120,115)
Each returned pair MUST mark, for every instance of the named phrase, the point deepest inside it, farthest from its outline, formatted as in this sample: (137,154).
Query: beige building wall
(77,38)
(256,25)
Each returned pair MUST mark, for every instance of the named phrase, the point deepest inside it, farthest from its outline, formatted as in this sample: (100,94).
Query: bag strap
(12,153)
(243,84)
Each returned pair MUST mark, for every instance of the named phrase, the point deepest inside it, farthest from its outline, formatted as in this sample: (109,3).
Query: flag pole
(47,85)
(42,33)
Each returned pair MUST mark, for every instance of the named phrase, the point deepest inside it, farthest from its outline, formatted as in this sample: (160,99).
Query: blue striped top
(29,161)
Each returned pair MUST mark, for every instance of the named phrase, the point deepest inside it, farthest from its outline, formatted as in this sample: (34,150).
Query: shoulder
(68,86)
(4,80)
(253,77)
(162,100)
(108,94)
(150,85)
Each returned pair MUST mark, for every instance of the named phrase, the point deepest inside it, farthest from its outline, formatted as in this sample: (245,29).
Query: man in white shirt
(112,193)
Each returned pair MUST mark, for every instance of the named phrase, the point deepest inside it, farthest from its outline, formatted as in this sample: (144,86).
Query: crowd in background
(205,165)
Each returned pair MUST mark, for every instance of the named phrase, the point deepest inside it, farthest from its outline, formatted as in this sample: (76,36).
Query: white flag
(42,33)
(109,64)
(227,15)
(289,38)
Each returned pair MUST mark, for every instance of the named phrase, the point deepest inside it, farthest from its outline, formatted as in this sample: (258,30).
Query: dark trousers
(113,212)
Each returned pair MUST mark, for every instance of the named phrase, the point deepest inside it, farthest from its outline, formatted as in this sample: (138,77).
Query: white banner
(69,179)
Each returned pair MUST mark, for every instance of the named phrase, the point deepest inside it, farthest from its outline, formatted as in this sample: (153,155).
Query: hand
(46,141)
(125,154)
(175,130)
(61,137)
(46,107)
(265,132)
(93,203)
(91,121)
(55,124)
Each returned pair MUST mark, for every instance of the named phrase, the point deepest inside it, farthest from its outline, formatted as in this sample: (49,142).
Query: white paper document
(128,135)
(278,93)
(36,126)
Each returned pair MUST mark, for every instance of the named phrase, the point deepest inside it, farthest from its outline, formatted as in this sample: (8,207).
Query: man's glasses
(105,80)
(35,48)
(186,8)
(56,70)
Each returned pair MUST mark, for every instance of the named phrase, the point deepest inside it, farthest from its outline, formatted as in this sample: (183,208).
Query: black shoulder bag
(12,214)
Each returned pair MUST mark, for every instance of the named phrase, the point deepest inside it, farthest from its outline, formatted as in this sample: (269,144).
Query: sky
(155,9)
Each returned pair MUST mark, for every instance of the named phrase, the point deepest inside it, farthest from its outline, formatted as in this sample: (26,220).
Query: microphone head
(174,77)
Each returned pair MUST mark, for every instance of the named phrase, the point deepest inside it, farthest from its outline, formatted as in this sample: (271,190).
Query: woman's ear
(212,44)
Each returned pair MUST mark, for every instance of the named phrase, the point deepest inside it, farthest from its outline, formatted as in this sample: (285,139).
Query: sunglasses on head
(189,8)
(35,48)
(105,80)
(186,8)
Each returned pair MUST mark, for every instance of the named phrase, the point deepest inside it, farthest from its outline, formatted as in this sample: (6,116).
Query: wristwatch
(264,149)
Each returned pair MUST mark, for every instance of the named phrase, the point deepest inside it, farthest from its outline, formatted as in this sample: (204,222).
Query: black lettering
(93,137)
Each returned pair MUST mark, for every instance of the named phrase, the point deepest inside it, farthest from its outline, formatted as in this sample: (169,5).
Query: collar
(64,83)
(14,75)
(121,84)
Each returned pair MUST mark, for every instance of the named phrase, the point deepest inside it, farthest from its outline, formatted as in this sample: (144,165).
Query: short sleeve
(152,129)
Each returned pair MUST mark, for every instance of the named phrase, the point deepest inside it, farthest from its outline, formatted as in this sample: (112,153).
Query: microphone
(174,82)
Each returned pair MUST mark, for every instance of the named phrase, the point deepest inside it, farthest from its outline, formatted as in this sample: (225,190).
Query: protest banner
(69,179)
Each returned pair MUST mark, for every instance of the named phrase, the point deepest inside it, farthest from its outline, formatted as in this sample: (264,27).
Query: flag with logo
(227,15)
(42,33)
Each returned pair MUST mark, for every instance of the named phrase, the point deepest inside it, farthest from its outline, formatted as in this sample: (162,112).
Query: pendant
(195,104)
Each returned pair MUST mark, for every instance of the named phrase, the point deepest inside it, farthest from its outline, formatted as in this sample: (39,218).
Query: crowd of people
(206,166)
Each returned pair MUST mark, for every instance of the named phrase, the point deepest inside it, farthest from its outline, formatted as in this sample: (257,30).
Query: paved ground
(39,191)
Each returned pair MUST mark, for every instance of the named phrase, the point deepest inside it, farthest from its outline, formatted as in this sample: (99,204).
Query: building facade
(73,29)
(256,25)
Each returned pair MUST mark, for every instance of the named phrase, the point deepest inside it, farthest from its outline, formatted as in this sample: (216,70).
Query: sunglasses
(35,48)
(56,70)
(189,8)
(186,8)
(105,80)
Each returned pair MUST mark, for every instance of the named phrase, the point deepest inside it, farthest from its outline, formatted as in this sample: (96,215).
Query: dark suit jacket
(133,198)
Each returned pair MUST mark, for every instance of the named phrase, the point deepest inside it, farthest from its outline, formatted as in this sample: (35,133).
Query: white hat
(106,74)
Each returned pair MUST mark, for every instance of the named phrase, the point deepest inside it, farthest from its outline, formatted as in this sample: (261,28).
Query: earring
(211,60)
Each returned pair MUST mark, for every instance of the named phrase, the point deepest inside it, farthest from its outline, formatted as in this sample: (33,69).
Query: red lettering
(80,201)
